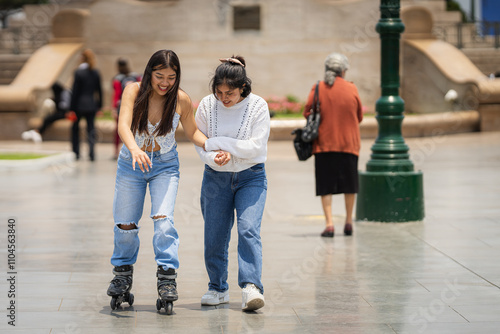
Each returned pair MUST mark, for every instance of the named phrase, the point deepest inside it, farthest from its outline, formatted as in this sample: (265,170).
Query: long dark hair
(158,61)
(232,74)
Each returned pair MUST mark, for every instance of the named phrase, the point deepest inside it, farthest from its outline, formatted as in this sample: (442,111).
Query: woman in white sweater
(237,125)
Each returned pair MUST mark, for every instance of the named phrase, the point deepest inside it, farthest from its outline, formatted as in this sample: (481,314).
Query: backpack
(128,79)
(125,80)
(65,101)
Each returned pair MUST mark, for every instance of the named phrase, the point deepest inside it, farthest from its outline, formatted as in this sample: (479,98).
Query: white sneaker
(26,135)
(252,299)
(213,297)
(31,135)
(37,138)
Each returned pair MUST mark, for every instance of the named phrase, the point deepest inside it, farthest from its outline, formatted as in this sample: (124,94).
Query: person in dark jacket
(58,105)
(86,101)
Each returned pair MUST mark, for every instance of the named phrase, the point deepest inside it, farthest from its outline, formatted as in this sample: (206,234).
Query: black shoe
(329,232)
(348,229)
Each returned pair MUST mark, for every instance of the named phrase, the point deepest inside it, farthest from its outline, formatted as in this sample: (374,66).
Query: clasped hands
(222,158)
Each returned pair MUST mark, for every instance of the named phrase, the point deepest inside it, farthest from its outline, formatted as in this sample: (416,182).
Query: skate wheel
(113,303)
(130,299)
(169,308)
(158,304)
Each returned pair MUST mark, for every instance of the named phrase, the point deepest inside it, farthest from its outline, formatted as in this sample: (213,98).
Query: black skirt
(336,173)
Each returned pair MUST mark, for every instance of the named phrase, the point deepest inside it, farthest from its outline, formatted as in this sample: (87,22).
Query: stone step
(432,5)
(10,65)
(13,58)
(448,17)
(486,59)
(7,76)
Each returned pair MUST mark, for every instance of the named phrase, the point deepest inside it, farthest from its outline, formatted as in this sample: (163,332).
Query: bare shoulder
(131,90)
(184,102)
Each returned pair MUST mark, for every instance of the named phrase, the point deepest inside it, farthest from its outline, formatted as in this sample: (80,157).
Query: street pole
(473,11)
(390,190)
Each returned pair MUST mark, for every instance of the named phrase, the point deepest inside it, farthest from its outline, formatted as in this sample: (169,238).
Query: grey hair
(335,64)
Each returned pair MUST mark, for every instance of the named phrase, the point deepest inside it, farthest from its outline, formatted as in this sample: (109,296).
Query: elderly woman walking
(336,149)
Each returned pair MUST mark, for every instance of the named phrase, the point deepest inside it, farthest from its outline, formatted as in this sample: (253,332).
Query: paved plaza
(439,276)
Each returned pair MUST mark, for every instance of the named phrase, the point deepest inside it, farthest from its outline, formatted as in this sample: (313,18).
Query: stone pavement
(441,275)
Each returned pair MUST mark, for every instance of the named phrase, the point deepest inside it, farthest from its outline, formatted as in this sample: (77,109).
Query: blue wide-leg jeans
(223,193)
(130,191)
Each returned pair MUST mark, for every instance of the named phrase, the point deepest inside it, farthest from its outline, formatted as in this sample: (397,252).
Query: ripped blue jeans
(128,204)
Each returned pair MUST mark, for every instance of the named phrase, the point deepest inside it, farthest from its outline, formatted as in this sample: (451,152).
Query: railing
(479,34)
(25,39)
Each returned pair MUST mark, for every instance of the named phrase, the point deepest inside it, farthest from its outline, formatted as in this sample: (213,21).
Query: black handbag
(303,149)
(310,131)
(306,135)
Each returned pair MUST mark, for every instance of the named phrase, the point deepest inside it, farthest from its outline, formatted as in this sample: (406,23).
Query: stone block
(68,25)
(12,124)
(489,117)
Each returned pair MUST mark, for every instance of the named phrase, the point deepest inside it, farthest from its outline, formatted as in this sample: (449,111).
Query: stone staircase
(17,44)
(10,65)
(487,60)
(479,50)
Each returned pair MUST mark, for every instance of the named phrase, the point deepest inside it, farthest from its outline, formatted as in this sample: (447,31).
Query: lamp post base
(390,197)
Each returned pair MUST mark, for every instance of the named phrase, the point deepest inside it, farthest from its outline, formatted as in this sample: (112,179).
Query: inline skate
(167,289)
(120,286)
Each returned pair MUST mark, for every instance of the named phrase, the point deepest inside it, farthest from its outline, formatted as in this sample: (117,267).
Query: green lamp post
(390,190)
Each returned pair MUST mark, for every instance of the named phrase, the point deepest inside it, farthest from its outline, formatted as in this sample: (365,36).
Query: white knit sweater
(242,130)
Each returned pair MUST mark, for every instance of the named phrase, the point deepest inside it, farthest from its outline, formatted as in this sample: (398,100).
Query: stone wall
(285,57)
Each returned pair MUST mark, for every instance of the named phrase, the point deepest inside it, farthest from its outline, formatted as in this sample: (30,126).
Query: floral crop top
(166,142)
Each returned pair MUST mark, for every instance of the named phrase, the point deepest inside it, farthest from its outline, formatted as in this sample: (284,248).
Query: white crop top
(166,142)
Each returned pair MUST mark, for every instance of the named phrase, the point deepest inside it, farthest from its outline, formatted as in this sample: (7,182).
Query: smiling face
(163,80)
(228,96)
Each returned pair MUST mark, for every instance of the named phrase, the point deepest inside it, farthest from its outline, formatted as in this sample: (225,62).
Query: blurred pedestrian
(124,77)
(86,101)
(55,109)
(237,125)
(336,149)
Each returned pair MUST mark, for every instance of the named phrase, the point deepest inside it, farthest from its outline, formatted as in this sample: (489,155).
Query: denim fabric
(221,194)
(91,133)
(130,190)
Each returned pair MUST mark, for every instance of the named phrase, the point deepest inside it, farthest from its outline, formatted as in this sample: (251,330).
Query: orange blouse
(341,114)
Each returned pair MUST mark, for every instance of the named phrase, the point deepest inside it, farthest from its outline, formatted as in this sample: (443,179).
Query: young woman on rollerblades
(150,113)
(236,121)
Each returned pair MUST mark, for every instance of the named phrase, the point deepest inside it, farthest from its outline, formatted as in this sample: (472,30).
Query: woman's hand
(222,158)
(142,160)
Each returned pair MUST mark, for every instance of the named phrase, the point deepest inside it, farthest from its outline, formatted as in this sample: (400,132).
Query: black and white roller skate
(167,289)
(119,288)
